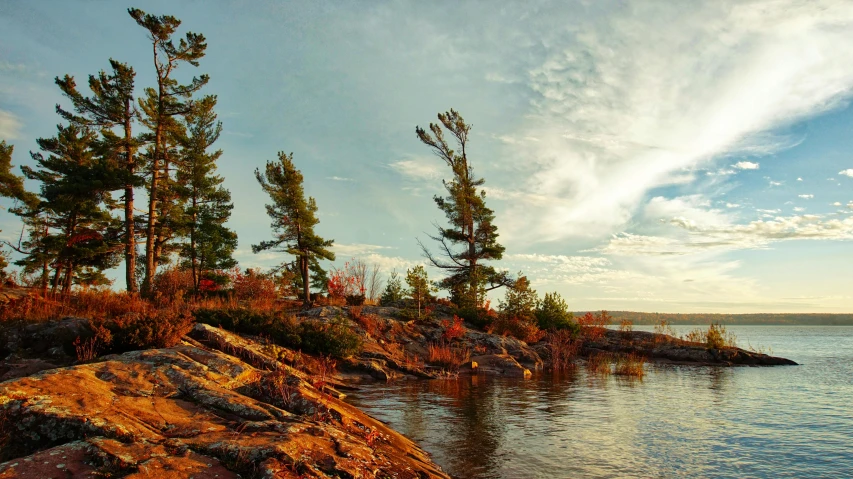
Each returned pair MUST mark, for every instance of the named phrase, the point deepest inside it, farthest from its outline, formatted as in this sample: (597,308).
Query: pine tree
(75,196)
(160,107)
(471,227)
(293,218)
(419,287)
(111,107)
(12,186)
(393,290)
(209,244)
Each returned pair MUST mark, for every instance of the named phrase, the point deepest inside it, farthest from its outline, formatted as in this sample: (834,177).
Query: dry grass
(281,387)
(371,323)
(599,363)
(441,354)
(715,337)
(563,349)
(631,364)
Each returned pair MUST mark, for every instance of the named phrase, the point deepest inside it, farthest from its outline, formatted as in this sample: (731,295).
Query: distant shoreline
(751,319)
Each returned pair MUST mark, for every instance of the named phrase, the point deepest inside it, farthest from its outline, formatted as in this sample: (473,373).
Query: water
(679,421)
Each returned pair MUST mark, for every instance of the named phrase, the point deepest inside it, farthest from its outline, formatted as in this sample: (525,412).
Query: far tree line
(115,139)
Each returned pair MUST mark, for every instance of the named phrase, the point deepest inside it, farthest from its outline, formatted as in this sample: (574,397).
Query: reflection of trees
(719,380)
(476,426)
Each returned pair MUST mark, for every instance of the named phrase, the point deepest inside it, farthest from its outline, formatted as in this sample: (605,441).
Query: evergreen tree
(553,313)
(111,107)
(26,206)
(209,244)
(520,301)
(393,290)
(471,229)
(293,218)
(75,194)
(419,287)
(161,107)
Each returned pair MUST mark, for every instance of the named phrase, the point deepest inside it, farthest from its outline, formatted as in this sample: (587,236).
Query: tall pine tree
(161,108)
(209,245)
(26,206)
(293,219)
(471,238)
(112,107)
(75,188)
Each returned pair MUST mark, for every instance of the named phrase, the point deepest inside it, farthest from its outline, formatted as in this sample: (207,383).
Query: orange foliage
(453,329)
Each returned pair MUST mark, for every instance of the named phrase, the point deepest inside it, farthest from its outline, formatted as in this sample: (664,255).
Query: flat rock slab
(192,410)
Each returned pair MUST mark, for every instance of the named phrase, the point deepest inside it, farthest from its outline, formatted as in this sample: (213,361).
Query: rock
(502,364)
(193,410)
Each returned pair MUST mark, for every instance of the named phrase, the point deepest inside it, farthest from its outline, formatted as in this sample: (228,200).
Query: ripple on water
(679,421)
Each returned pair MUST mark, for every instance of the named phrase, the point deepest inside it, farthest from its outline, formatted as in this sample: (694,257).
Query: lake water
(678,421)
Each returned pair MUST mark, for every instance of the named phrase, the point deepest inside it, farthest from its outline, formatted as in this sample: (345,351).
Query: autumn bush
(254,286)
(517,315)
(453,329)
(592,326)
(172,284)
(518,328)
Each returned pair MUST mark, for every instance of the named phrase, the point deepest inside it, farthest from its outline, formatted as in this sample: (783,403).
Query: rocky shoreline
(224,405)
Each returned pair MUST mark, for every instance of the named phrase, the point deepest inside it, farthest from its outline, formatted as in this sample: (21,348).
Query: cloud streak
(621,105)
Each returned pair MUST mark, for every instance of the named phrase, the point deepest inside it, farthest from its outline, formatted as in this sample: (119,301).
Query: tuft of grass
(441,354)
(563,348)
(715,337)
(599,363)
(630,364)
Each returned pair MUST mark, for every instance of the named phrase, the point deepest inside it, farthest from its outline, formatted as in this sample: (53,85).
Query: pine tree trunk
(303,265)
(150,264)
(129,229)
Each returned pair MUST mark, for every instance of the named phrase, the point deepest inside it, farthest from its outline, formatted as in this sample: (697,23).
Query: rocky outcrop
(215,406)
(668,349)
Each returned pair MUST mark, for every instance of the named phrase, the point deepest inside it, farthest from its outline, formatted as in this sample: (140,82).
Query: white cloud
(745,165)
(847,172)
(10,126)
(612,127)
(732,205)
(339,178)
(799,179)
(806,197)
(418,169)
(837,203)
(799,209)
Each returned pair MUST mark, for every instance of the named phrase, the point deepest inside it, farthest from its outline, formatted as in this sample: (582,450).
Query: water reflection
(678,422)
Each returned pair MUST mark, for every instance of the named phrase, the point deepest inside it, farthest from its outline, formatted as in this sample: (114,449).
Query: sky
(685,156)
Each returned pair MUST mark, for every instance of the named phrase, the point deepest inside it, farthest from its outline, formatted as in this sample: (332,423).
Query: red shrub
(453,329)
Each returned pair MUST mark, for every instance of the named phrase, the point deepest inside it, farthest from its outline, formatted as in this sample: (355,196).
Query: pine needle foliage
(293,219)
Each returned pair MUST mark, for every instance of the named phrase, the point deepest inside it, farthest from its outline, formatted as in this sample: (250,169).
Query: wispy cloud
(806,197)
(847,172)
(10,126)
(612,126)
(339,178)
(418,169)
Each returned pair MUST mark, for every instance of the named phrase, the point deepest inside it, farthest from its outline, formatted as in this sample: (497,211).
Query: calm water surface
(679,421)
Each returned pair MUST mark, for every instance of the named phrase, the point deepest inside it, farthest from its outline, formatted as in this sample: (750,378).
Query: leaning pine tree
(470,239)
(293,219)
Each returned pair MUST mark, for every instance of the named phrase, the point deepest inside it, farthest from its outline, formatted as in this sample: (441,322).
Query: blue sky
(654,156)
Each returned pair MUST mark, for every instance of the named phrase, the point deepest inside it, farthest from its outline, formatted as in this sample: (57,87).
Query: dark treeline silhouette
(824,319)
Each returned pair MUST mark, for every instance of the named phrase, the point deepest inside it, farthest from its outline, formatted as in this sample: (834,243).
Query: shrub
(348,281)
(162,328)
(354,299)
(173,284)
(453,329)
(521,329)
(419,286)
(593,325)
(252,285)
(334,338)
